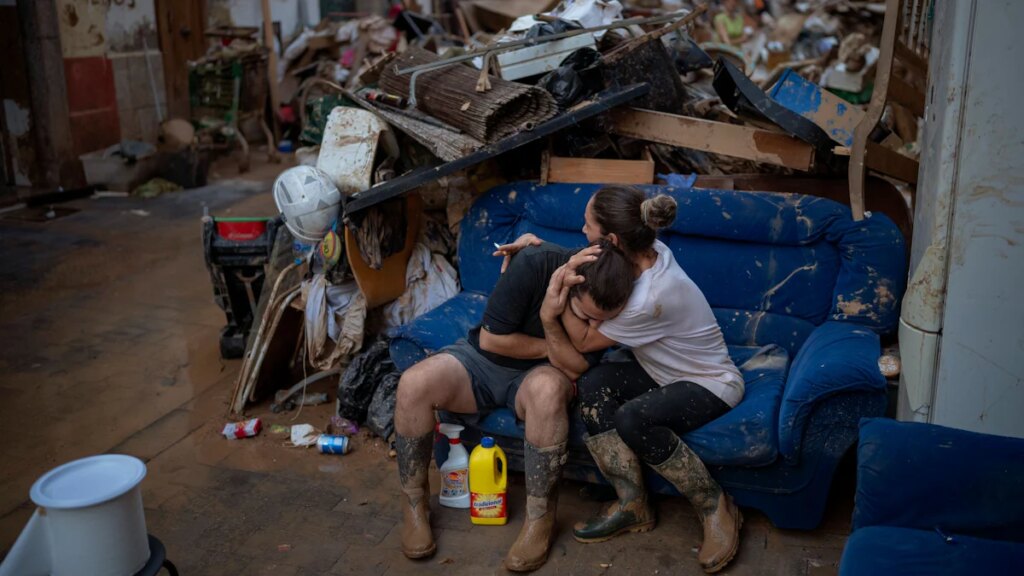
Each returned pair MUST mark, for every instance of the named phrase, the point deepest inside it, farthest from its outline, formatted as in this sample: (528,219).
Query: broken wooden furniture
(776,135)
(416,178)
(935,500)
(735,140)
(450,94)
(802,302)
(906,39)
(556,169)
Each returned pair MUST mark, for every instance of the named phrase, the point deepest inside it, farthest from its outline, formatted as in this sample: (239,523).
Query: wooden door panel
(181,24)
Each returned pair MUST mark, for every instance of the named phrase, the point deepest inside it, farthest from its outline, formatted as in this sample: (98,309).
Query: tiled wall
(110,96)
(136,103)
(92,105)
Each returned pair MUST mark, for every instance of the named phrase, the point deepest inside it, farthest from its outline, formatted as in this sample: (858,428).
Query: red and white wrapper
(245,429)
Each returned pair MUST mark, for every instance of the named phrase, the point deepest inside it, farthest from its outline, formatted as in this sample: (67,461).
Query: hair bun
(658,212)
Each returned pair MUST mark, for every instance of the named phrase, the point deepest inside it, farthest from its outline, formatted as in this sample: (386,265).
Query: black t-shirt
(514,305)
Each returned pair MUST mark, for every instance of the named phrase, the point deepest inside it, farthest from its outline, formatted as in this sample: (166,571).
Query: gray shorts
(494,386)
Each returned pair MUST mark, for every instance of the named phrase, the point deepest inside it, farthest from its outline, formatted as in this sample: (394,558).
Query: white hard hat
(309,201)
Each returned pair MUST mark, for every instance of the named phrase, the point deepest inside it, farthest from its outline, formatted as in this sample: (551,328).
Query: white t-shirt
(673,333)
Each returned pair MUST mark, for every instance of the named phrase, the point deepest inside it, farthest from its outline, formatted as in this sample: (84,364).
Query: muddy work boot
(720,517)
(543,470)
(413,464)
(621,467)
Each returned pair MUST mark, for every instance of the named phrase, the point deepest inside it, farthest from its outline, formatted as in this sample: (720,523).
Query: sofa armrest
(436,329)
(837,357)
(926,477)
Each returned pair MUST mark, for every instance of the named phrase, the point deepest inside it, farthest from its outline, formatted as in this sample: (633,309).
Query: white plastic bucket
(90,521)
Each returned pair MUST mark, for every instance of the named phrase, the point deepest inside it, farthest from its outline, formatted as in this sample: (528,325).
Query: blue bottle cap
(487,442)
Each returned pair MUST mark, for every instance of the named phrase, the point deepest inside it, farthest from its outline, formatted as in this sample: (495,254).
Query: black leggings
(649,418)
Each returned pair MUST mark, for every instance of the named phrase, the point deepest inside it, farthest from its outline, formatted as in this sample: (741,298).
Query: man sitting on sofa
(510,359)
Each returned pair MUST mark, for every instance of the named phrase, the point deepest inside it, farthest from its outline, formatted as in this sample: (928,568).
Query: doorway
(181,24)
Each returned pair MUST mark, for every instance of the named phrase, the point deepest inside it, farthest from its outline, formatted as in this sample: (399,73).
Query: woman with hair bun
(679,378)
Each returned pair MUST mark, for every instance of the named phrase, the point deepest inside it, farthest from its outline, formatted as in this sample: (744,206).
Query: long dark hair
(635,219)
(608,280)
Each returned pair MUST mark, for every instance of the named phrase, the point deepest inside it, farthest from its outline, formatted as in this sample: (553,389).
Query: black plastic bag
(360,380)
(578,77)
(688,56)
(551,28)
(381,416)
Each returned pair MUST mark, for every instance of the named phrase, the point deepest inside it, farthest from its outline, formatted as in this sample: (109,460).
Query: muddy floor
(108,343)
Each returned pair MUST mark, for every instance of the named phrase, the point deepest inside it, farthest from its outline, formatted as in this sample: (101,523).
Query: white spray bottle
(455,470)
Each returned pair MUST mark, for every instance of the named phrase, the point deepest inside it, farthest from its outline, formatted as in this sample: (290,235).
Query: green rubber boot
(621,467)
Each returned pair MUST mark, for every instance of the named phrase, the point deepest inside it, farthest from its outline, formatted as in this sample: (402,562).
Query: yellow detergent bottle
(488,501)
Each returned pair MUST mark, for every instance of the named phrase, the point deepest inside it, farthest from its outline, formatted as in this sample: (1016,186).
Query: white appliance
(962,324)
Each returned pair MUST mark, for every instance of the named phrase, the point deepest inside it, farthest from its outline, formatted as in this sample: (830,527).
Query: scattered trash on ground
(156,187)
(244,429)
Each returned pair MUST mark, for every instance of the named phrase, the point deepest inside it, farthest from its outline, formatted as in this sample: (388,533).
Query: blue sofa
(934,500)
(802,293)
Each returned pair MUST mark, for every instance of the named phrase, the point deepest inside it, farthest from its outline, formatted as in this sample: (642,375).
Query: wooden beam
(903,93)
(599,171)
(912,59)
(275,96)
(718,137)
(891,163)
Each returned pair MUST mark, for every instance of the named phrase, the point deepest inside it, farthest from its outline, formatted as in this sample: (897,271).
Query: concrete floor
(108,343)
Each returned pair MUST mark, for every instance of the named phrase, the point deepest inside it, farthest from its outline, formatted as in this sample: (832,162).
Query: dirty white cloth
(334,320)
(429,281)
(673,332)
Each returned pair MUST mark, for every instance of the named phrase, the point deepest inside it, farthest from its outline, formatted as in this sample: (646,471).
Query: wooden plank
(600,171)
(275,96)
(891,163)
(912,59)
(907,95)
(718,137)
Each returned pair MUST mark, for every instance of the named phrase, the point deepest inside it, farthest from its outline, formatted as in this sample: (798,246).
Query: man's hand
(509,250)
(556,297)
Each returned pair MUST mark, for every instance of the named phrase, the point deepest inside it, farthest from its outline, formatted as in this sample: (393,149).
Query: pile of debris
(407,118)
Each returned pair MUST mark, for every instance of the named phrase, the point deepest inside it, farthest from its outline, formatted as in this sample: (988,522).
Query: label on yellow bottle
(487,505)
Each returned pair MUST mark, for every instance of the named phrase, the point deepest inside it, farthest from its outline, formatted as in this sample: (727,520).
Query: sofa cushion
(744,436)
(923,475)
(906,551)
(436,329)
(756,328)
(838,357)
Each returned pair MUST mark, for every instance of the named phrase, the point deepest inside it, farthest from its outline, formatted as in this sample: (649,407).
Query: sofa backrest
(773,266)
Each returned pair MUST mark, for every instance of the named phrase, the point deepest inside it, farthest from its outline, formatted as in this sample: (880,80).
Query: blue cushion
(908,552)
(837,357)
(922,476)
(746,435)
(436,329)
(756,328)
